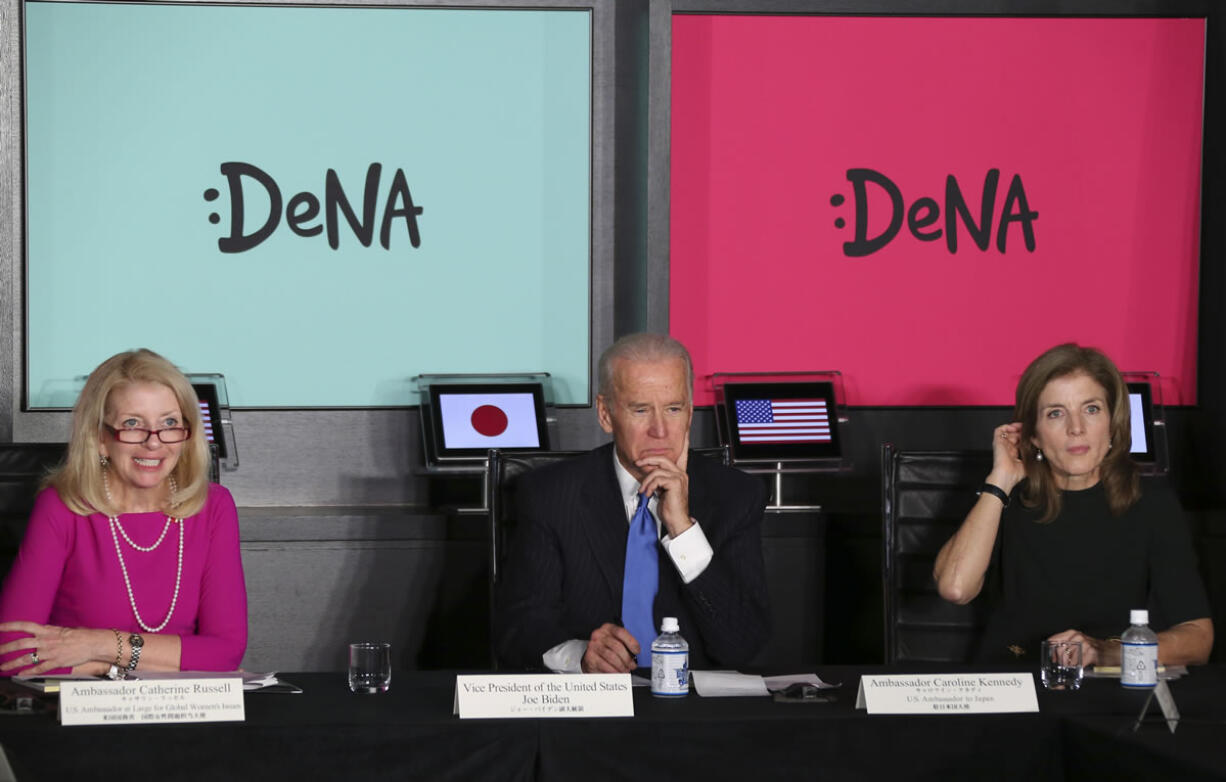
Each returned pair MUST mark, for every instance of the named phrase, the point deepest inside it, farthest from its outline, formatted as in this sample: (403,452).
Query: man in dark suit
(560,602)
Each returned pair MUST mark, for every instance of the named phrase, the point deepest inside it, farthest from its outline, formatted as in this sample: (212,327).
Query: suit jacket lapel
(605,522)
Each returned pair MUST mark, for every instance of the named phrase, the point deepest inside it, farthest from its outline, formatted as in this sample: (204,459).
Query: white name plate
(544,695)
(145,702)
(948,693)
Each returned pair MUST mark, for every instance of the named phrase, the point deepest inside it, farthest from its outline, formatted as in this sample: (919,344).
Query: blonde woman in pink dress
(131,559)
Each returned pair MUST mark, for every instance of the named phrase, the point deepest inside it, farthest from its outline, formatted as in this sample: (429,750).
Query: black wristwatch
(995,491)
(136,642)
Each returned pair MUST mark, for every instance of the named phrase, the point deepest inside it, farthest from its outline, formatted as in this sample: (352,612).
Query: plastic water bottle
(670,662)
(1139,652)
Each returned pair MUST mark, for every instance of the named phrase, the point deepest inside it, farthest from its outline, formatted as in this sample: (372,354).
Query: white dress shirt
(690,553)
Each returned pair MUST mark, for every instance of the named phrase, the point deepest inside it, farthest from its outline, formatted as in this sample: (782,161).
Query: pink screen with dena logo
(926,204)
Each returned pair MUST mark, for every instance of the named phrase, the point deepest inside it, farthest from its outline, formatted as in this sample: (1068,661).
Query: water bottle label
(1138,664)
(670,673)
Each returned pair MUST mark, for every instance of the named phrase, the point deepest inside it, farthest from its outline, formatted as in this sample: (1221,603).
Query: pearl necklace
(127,582)
(113,523)
(132,543)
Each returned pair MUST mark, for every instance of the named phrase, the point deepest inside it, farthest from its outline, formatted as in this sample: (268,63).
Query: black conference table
(410,733)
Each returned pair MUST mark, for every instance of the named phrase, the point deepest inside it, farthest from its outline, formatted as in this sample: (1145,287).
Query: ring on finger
(34,657)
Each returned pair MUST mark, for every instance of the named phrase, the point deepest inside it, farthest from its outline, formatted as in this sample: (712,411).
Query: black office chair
(22,468)
(503,470)
(925,496)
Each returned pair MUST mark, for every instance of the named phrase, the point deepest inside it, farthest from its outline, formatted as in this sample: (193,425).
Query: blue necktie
(640,580)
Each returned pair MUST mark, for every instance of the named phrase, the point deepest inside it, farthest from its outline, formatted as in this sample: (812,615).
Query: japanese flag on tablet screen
(489,420)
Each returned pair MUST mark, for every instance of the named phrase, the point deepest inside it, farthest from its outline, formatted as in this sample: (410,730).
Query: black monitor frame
(1155,459)
(207,394)
(1149,454)
(770,453)
(436,451)
(210,388)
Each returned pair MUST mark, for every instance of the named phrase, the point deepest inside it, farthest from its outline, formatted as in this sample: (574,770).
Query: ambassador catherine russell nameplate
(544,695)
(948,693)
(155,700)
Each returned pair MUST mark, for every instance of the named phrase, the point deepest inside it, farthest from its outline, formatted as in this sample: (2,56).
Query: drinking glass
(370,666)
(1060,665)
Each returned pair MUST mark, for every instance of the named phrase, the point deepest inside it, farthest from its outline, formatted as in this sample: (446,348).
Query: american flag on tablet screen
(782,421)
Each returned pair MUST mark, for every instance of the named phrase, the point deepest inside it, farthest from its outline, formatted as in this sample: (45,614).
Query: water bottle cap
(1139,616)
(669,625)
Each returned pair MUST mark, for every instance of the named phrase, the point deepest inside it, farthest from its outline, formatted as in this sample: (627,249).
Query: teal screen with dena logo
(317,202)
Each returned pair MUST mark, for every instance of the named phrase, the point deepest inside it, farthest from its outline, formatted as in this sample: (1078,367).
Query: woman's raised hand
(1007,467)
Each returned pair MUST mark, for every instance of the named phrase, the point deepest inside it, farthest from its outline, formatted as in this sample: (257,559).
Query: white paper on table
(251,681)
(774,683)
(727,684)
(50,682)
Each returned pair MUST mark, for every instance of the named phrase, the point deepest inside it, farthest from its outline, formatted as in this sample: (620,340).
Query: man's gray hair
(644,346)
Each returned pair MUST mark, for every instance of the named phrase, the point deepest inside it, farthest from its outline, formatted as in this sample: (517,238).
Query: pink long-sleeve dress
(67,573)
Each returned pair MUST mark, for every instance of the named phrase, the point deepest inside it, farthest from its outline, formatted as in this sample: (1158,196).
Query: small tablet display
(466,420)
(210,416)
(1140,401)
(774,422)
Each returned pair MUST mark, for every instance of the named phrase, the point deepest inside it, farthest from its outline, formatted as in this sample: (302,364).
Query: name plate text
(544,695)
(144,702)
(948,693)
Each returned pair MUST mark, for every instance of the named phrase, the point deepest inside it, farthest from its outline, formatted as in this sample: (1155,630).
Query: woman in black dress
(1065,535)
